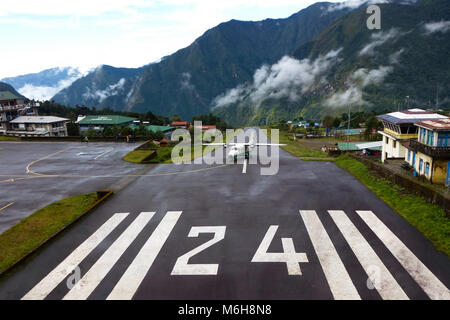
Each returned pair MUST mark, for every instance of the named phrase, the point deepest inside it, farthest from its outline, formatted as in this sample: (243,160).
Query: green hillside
(414,62)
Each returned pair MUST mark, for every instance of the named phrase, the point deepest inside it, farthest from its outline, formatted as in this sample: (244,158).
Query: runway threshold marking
(339,280)
(7,206)
(51,281)
(105,263)
(432,286)
(386,285)
(138,269)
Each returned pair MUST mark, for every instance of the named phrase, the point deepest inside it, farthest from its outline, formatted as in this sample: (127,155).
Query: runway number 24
(288,256)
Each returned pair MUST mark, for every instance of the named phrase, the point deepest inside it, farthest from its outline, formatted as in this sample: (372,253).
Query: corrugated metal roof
(371,145)
(38,119)
(105,119)
(154,128)
(443,124)
(354,146)
(410,116)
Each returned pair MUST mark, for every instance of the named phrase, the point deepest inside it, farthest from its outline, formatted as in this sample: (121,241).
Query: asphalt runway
(312,231)
(24,167)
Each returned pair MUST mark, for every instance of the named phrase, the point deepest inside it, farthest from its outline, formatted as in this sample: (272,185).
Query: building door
(414,161)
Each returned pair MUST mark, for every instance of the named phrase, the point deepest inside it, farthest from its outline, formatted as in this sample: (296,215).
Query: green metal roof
(153,128)
(106,119)
(7,95)
(160,128)
(352,146)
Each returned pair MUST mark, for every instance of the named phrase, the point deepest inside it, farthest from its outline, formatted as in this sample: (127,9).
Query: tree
(336,122)
(108,132)
(328,123)
(73,129)
(371,124)
(125,131)
(159,135)
(175,117)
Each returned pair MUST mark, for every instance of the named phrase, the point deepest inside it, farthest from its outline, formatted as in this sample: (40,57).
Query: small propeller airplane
(242,149)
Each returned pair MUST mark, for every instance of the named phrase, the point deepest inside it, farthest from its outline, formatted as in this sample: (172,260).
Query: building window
(427,168)
(395,144)
(420,166)
(444,139)
(409,155)
(387,140)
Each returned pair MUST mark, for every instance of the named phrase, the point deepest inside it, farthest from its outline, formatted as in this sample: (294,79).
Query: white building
(399,127)
(38,126)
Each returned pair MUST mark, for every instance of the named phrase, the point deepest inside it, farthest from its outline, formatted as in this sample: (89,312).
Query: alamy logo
(374,21)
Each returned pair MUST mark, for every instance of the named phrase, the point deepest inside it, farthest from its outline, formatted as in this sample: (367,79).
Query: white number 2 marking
(183,268)
(289,256)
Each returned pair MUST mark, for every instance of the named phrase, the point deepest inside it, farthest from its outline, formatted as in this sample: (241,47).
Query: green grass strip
(137,156)
(8,138)
(428,218)
(40,226)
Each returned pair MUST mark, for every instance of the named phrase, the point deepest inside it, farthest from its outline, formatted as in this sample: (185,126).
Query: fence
(410,184)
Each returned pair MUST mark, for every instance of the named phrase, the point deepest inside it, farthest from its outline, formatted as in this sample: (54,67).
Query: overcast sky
(38,35)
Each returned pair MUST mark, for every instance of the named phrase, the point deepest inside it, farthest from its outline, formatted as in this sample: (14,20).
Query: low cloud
(395,57)
(288,78)
(353,4)
(186,81)
(101,95)
(359,79)
(378,39)
(367,77)
(43,93)
(440,26)
(350,97)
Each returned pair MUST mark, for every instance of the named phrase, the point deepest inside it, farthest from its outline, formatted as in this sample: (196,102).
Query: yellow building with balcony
(429,154)
(399,127)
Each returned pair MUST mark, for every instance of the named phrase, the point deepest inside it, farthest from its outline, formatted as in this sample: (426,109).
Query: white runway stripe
(387,287)
(337,276)
(136,272)
(434,288)
(106,262)
(51,281)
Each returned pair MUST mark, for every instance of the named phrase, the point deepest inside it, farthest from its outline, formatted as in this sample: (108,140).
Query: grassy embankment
(429,219)
(32,231)
(164,154)
(300,149)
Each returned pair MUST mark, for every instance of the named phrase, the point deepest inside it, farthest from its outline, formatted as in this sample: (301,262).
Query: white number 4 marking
(183,268)
(289,256)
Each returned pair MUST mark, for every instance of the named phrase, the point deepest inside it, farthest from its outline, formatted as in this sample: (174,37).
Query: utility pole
(348,130)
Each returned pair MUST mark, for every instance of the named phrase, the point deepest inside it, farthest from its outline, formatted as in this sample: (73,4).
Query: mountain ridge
(187,81)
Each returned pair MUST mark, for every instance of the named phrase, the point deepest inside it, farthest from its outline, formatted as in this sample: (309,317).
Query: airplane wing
(269,144)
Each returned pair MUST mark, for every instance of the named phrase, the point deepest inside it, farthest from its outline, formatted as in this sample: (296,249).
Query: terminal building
(13,106)
(99,123)
(36,126)
(400,128)
(429,154)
